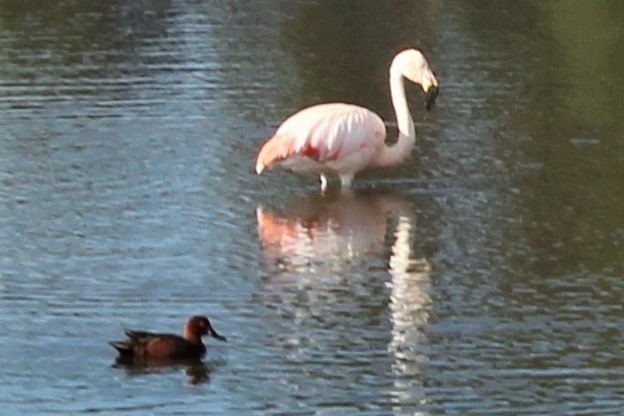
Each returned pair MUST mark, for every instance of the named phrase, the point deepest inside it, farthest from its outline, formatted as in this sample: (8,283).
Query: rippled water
(484,276)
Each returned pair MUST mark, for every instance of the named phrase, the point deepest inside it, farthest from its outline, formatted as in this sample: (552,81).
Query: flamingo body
(334,138)
(344,139)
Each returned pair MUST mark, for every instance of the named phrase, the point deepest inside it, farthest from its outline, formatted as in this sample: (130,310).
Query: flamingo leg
(345,181)
(324,182)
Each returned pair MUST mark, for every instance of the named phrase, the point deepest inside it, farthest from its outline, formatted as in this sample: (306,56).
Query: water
(484,276)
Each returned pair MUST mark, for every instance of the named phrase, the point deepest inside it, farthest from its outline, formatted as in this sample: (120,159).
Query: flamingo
(343,139)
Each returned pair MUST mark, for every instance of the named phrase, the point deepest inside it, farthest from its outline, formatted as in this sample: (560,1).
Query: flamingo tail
(279,148)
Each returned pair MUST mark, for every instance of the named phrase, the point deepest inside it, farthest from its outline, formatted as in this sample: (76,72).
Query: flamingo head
(412,64)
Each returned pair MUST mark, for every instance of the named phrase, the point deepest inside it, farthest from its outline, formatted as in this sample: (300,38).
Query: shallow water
(484,276)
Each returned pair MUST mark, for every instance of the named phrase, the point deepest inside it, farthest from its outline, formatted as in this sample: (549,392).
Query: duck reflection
(196,370)
(316,244)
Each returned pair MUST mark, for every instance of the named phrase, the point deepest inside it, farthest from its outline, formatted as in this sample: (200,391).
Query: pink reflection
(328,228)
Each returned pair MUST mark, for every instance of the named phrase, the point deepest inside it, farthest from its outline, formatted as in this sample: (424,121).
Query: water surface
(483,276)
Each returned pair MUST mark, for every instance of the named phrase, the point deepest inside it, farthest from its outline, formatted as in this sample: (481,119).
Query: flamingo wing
(324,136)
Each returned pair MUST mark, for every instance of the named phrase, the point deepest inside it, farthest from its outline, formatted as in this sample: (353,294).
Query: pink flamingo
(343,139)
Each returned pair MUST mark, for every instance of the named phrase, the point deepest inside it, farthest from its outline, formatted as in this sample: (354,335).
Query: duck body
(149,344)
(161,345)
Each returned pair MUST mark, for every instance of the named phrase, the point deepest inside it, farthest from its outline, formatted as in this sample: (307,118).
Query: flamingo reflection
(409,314)
(316,244)
(327,230)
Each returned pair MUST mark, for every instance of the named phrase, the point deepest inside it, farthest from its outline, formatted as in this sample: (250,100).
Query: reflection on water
(409,312)
(196,370)
(315,245)
(327,231)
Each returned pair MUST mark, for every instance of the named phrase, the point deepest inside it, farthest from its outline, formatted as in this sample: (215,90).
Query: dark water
(484,276)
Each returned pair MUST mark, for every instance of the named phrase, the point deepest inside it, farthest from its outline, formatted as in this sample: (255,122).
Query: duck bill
(432,94)
(214,334)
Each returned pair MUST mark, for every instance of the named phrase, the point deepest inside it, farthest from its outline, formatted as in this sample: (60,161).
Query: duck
(145,344)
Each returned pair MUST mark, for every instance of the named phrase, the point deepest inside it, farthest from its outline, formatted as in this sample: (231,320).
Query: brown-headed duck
(149,344)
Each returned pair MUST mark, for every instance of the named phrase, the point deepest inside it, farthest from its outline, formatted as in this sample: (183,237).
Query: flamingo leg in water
(345,181)
(323,183)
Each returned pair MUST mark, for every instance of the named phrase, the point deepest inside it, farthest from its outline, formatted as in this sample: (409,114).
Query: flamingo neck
(396,153)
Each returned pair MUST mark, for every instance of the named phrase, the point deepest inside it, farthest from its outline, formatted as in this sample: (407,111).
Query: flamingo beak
(432,94)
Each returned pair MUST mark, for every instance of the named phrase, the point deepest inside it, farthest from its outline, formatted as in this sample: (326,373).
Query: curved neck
(407,135)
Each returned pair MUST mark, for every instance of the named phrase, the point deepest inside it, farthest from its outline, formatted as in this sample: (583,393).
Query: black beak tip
(219,337)
(432,94)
